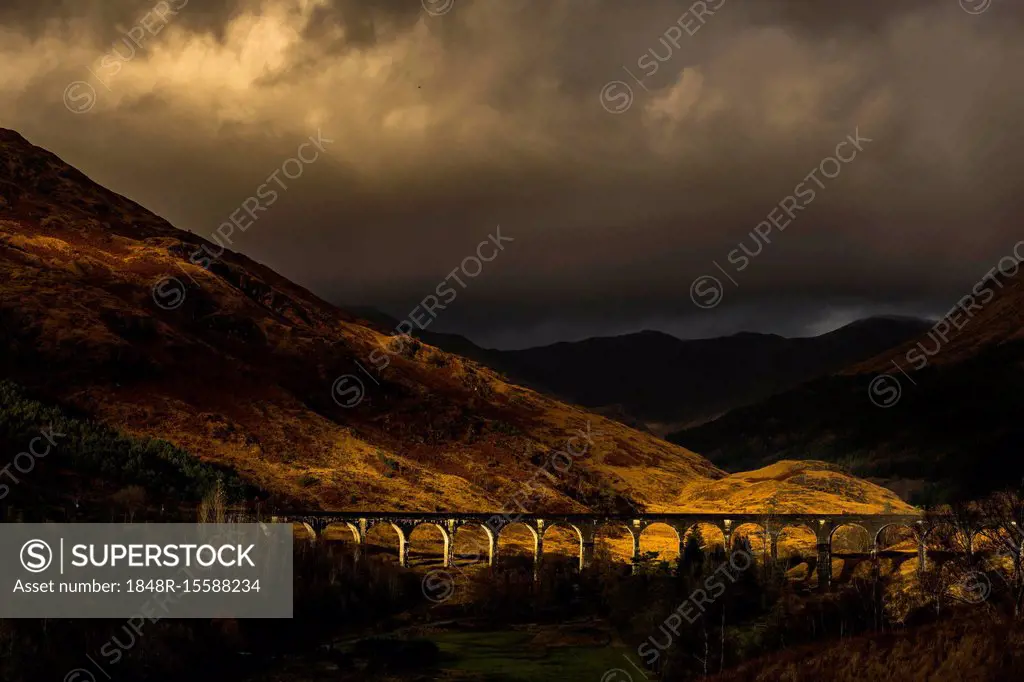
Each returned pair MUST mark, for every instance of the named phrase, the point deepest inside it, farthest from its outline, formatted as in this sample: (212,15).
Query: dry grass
(791,486)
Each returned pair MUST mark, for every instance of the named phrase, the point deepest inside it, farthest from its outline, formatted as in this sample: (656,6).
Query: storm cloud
(628,148)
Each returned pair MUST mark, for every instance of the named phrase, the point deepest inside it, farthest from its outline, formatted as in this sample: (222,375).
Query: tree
(1002,515)
(772,529)
(131,499)
(693,553)
(213,508)
(974,572)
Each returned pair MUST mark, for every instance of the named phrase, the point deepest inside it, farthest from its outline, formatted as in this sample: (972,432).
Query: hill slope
(240,372)
(948,420)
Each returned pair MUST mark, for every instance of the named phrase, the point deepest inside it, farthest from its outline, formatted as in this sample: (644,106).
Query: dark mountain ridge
(653,378)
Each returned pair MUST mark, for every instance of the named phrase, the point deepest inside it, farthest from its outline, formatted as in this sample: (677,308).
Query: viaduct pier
(585,527)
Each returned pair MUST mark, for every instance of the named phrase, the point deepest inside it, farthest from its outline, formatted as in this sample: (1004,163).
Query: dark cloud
(446,126)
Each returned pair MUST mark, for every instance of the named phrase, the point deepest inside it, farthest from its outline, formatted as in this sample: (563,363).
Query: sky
(650,165)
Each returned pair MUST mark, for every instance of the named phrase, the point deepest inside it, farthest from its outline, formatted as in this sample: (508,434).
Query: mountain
(938,418)
(152,343)
(655,381)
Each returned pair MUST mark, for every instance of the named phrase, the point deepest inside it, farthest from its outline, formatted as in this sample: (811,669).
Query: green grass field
(519,660)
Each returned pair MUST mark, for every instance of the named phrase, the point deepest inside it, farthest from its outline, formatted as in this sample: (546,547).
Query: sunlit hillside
(241,374)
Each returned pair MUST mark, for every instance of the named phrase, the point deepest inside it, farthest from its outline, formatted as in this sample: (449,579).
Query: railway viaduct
(586,526)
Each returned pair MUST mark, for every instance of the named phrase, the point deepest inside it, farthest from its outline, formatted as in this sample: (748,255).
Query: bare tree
(1002,520)
(213,508)
(131,499)
(974,569)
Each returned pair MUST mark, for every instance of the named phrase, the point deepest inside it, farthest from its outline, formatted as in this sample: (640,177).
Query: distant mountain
(654,379)
(935,419)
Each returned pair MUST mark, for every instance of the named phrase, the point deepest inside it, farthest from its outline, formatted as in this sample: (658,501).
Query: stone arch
(846,543)
(378,528)
(947,537)
(304,528)
(441,547)
(341,530)
(570,528)
(478,543)
(850,537)
(663,538)
(504,531)
(896,537)
(711,535)
(756,533)
(513,541)
(991,539)
(615,541)
(796,539)
(565,543)
(375,523)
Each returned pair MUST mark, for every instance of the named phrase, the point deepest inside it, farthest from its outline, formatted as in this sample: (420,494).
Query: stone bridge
(586,526)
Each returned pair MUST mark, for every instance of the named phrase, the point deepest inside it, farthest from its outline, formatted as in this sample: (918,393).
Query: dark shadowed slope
(952,425)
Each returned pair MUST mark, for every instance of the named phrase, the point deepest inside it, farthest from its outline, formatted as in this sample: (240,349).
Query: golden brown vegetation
(241,375)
